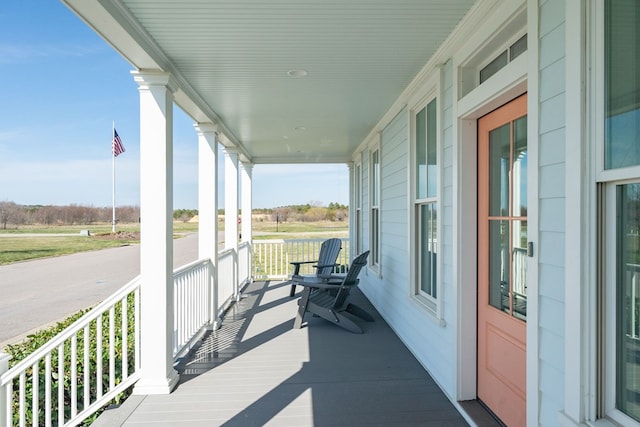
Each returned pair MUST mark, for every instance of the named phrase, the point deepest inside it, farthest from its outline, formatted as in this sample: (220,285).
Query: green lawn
(15,246)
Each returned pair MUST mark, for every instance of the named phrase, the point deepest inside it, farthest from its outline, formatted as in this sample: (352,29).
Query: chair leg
(335,317)
(359,312)
(303,302)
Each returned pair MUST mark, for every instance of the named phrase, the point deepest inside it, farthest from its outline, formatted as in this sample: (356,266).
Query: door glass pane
(628,301)
(499,162)
(622,83)
(499,261)
(428,245)
(519,268)
(520,167)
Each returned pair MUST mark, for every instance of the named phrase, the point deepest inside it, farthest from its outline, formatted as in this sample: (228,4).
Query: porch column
(156,233)
(231,207)
(247,200)
(208,207)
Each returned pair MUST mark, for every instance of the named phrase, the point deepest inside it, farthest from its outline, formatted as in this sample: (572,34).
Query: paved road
(37,293)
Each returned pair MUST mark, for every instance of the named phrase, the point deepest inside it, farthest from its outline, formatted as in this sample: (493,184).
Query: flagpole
(113,177)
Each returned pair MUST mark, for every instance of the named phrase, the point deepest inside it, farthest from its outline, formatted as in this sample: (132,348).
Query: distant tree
(8,211)
(184,215)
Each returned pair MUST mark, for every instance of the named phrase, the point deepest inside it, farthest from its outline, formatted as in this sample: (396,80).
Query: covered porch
(257,370)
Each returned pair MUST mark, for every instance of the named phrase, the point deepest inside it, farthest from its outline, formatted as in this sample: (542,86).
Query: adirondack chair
(329,297)
(325,263)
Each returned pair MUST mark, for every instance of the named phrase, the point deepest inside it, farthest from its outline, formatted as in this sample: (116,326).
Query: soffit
(233,57)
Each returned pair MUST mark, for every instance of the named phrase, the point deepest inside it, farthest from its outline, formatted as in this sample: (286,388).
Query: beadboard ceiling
(232,60)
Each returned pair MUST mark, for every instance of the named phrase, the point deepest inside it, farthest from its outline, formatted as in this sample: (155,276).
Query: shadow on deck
(256,370)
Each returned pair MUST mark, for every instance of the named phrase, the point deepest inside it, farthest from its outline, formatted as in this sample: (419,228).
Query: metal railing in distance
(79,370)
(192,289)
(271,258)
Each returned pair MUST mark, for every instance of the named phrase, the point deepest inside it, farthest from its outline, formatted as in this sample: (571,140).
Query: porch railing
(271,258)
(98,357)
(68,379)
(192,293)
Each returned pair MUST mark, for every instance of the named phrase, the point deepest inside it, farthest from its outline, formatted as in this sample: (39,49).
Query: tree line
(14,215)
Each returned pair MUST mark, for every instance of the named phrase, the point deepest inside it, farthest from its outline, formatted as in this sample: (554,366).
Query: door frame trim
(465,228)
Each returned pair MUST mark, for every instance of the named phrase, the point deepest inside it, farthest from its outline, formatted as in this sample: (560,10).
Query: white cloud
(23,53)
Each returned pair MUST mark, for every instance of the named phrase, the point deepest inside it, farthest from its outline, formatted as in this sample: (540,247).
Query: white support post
(208,208)
(4,367)
(246,188)
(231,208)
(156,233)
(247,201)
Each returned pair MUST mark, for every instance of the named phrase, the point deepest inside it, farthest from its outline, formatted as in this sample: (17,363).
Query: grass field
(32,242)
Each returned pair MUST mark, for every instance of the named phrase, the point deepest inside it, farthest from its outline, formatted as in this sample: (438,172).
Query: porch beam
(156,232)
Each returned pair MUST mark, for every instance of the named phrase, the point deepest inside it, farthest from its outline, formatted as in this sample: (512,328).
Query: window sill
(430,307)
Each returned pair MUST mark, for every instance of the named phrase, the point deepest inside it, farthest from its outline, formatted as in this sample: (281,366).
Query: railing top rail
(226,252)
(191,265)
(76,326)
(314,239)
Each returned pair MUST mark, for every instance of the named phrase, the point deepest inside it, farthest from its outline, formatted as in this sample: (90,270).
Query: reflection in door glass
(499,265)
(499,168)
(519,269)
(519,167)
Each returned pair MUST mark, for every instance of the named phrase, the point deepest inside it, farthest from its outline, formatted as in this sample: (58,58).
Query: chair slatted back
(328,255)
(351,279)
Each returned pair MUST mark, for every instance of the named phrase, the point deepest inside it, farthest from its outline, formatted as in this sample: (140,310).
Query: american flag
(116,145)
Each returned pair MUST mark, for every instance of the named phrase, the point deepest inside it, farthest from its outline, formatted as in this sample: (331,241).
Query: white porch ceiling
(231,59)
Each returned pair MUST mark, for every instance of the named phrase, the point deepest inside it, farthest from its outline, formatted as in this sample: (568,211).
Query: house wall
(435,342)
(551,264)
(431,340)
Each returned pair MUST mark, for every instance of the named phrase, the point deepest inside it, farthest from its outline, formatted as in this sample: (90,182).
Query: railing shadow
(349,379)
(219,346)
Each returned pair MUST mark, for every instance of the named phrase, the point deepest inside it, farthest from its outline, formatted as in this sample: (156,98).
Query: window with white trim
(358,206)
(374,174)
(618,148)
(425,131)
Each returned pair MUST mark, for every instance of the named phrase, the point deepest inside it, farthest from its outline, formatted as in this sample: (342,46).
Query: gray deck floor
(256,370)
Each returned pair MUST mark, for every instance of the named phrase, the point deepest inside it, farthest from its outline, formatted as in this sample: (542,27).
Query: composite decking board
(258,370)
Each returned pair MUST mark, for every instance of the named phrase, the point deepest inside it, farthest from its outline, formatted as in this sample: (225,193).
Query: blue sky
(63,86)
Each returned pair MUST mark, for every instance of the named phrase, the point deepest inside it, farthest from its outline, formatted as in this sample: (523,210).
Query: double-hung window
(426,203)
(618,146)
(358,206)
(374,173)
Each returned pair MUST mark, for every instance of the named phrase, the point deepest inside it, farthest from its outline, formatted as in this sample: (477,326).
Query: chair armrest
(326,265)
(297,264)
(301,262)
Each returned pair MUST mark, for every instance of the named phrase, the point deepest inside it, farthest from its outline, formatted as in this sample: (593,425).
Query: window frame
(357,170)
(375,222)
(432,303)
(603,368)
